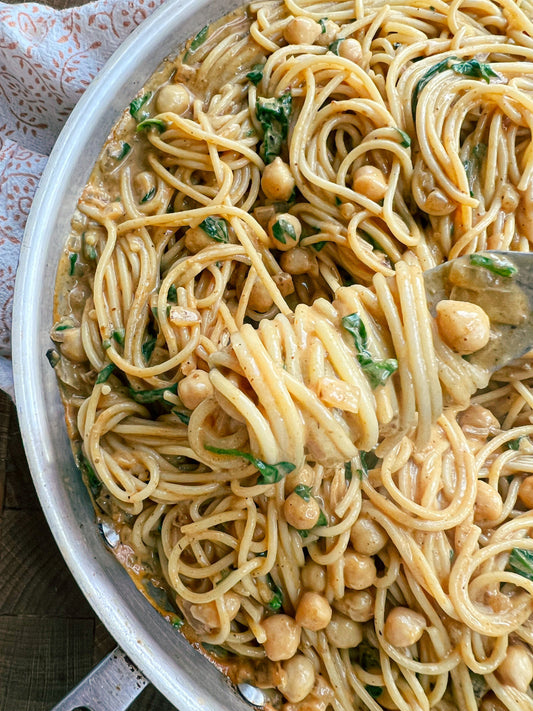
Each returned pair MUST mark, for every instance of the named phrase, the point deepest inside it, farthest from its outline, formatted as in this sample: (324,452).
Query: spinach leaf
(322,519)
(334,46)
(119,336)
(274,114)
(124,151)
(472,165)
(53,357)
(474,68)
(374,691)
(303,491)
(521,562)
(322,23)
(104,374)
(406,142)
(147,348)
(276,601)
(282,229)
(93,482)
(182,416)
(317,246)
(496,265)
(348,471)
(172,294)
(149,195)
(137,104)
(377,371)
(73,258)
(256,74)
(148,396)
(215,228)
(368,461)
(199,39)
(152,123)
(216,650)
(269,473)
(441,66)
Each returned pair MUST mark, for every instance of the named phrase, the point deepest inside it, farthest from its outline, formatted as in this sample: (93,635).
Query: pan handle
(112,685)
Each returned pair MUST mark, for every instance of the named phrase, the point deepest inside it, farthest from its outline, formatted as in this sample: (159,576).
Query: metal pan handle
(112,685)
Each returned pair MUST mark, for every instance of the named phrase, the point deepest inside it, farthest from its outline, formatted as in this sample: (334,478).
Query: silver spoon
(501,283)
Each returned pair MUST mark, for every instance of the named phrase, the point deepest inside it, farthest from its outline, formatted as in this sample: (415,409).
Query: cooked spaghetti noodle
(305,469)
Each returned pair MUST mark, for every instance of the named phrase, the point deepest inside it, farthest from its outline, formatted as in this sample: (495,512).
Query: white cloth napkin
(47,59)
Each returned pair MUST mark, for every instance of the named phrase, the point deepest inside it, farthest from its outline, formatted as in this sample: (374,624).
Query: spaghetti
(306,472)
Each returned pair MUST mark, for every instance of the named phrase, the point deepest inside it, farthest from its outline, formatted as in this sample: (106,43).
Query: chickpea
(404,627)
(304,476)
(302,30)
(282,637)
(359,570)
(206,613)
(488,505)
(370,182)
(525,492)
(328,33)
(437,203)
(479,418)
(196,240)
(463,326)
(298,261)
(299,513)
(313,612)
(260,299)
(285,231)
(343,633)
(174,98)
(367,536)
(284,283)
(314,576)
(194,389)
(299,678)
(72,346)
(357,605)
(277,181)
(351,49)
(517,668)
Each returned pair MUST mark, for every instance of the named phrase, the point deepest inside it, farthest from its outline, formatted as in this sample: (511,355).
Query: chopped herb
(317,246)
(276,600)
(172,294)
(322,23)
(334,46)
(119,336)
(303,533)
(106,343)
(521,562)
(338,201)
(377,371)
(177,622)
(64,327)
(182,416)
(514,443)
(137,104)
(157,395)
(215,649)
(73,258)
(199,39)
(303,491)
(269,473)
(215,228)
(104,374)
(93,482)
(499,266)
(406,142)
(124,151)
(256,74)
(282,229)
(368,461)
(152,123)
(147,348)
(322,519)
(274,114)
(374,691)
(348,471)
(149,195)
(441,66)
(53,357)
(474,68)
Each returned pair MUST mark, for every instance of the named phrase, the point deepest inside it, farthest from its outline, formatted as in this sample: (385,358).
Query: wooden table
(50,638)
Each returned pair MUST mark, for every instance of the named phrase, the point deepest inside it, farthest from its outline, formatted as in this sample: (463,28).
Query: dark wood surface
(49,636)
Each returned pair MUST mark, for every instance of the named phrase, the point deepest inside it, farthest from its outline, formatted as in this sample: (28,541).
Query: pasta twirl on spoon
(305,471)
